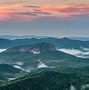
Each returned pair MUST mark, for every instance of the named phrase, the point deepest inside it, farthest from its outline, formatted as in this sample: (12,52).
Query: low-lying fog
(84,53)
(2,50)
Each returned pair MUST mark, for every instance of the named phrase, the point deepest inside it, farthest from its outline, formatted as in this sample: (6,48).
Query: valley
(37,64)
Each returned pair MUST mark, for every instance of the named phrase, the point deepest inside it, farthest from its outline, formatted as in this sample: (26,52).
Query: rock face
(45,52)
(34,48)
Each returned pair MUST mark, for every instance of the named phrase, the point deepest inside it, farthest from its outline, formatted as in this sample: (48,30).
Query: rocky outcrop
(34,48)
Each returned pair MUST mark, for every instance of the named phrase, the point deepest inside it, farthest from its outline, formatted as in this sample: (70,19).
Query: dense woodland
(63,71)
(50,79)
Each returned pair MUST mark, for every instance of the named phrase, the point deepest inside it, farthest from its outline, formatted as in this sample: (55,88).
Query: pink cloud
(19,12)
(66,8)
(23,12)
(6,12)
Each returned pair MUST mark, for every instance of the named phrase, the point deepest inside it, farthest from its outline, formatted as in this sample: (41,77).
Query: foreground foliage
(49,79)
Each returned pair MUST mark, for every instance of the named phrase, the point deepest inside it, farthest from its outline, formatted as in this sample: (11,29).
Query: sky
(58,18)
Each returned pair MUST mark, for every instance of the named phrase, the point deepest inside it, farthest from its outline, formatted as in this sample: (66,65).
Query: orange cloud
(22,12)
(66,8)
(6,12)
(19,12)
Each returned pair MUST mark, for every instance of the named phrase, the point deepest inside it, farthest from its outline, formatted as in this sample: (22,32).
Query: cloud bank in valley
(79,53)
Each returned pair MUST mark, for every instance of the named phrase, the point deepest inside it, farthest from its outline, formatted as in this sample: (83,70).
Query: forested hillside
(49,79)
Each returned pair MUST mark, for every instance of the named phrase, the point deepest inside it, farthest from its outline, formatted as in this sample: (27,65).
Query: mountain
(8,72)
(67,45)
(39,47)
(11,37)
(80,38)
(40,55)
(4,43)
(58,43)
(48,68)
(6,68)
(47,79)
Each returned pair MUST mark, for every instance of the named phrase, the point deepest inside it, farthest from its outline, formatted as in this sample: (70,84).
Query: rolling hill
(49,79)
(8,72)
(32,56)
(58,43)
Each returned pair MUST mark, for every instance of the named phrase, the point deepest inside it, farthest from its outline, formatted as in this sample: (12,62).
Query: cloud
(25,12)
(81,8)
(20,12)
(8,12)
(33,13)
(79,53)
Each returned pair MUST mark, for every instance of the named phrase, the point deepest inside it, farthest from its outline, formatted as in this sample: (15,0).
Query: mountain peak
(34,48)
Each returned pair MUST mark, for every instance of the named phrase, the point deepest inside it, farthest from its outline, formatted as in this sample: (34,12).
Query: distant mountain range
(13,37)
(80,38)
(28,57)
(41,64)
(70,46)
(58,43)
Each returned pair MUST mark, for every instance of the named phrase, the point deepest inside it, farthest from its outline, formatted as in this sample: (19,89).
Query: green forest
(51,79)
